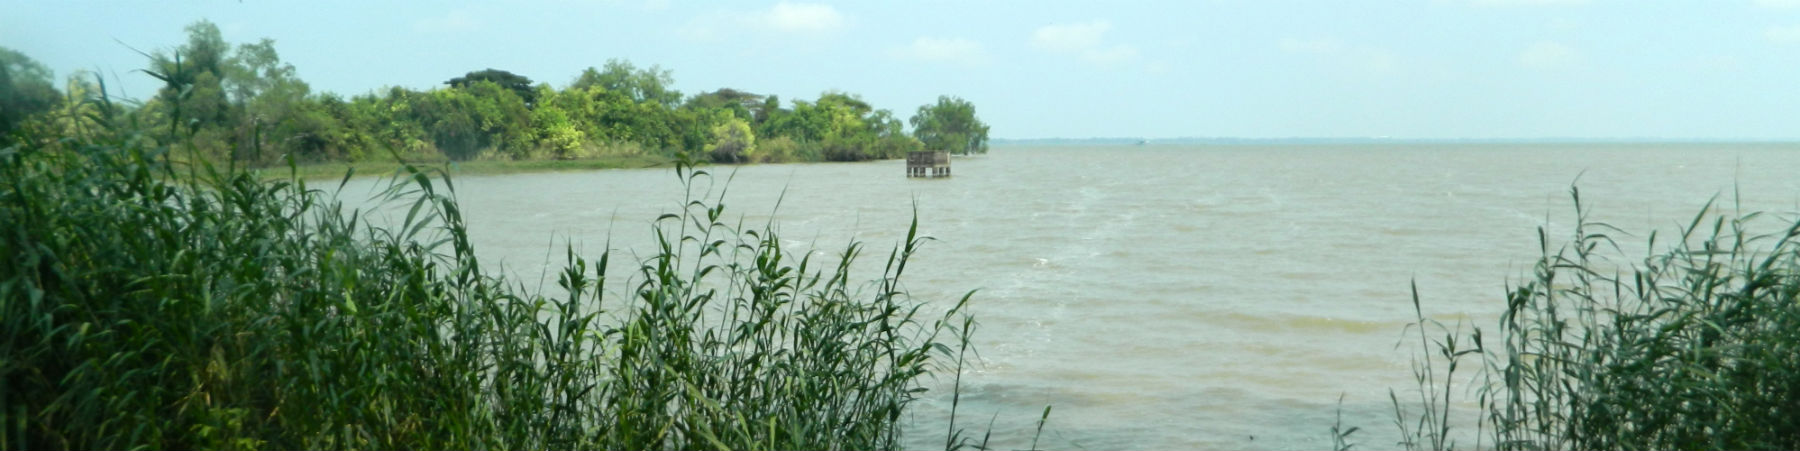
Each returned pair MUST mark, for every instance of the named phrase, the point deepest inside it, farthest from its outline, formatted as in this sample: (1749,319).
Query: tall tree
(640,85)
(193,78)
(518,84)
(25,90)
(272,110)
(950,125)
(742,104)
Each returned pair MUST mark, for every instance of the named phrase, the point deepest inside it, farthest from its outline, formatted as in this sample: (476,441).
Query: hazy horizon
(1375,139)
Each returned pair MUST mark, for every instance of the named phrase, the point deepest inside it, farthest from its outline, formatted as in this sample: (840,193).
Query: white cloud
(454,21)
(1778,4)
(1084,40)
(801,17)
(783,18)
(1548,54)
(1076,37)
(949,50)
(1783,35)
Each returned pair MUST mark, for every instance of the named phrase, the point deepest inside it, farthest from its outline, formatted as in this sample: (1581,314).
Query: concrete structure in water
(928,164)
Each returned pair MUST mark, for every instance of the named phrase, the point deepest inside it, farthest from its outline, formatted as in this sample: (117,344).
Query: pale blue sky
(1724,69)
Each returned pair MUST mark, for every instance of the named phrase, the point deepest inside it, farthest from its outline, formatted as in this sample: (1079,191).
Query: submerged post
(928,164)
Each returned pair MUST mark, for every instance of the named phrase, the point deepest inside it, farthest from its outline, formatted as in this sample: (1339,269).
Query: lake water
(1174,297)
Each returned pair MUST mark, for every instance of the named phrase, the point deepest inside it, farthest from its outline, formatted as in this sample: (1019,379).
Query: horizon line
(1551,139)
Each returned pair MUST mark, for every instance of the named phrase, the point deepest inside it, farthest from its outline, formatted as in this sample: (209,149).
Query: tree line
(244,104)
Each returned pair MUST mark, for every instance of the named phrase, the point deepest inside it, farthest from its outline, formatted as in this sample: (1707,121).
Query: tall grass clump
(149,304)
(1696,346)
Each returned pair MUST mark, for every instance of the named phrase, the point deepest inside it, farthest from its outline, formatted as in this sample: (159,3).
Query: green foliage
(518,84)
(244,106)
(556,133)
(193,77)
(950,125)
(1694,347)
(149,305)
(80,112)
(639,85)
(387,123)
(25,90)
(732,142)
(453,119)
(742,105)
(783,149)
(841,127)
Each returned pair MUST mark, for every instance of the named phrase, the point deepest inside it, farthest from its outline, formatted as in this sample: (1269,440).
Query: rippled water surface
(1165,297)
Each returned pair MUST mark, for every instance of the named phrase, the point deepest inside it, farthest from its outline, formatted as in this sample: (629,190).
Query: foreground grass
(144,305)
(1695,347)
(336,170)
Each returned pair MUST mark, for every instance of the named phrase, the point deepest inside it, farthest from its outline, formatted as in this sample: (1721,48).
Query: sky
(1419,69)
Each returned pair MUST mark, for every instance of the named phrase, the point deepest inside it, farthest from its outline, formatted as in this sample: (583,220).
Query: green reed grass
(1695,347)
(147,304)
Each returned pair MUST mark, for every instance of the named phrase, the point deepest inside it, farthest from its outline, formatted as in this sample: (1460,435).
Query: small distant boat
(1143,142)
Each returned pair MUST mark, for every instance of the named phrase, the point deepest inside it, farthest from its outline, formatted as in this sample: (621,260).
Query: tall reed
(149,304)
(1695,347)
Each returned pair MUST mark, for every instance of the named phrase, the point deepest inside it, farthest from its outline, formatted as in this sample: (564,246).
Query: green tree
(255,70)
(950,125)
(732,141)
(556,133)
(742,104)
(640,85)
(453,123)
(518,84)
(891,140)
(272,111)
(314,131)
(771,107)
(25,90)
(504,116)
(193,77)
(387,122)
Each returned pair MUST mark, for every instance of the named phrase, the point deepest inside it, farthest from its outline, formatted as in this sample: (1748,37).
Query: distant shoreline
(1112,141)
(337,169)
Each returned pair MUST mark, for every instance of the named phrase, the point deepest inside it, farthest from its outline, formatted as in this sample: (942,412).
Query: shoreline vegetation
(336,170)
(240,105)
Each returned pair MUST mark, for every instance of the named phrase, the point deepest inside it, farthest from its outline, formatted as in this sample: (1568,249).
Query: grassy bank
(336,170)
